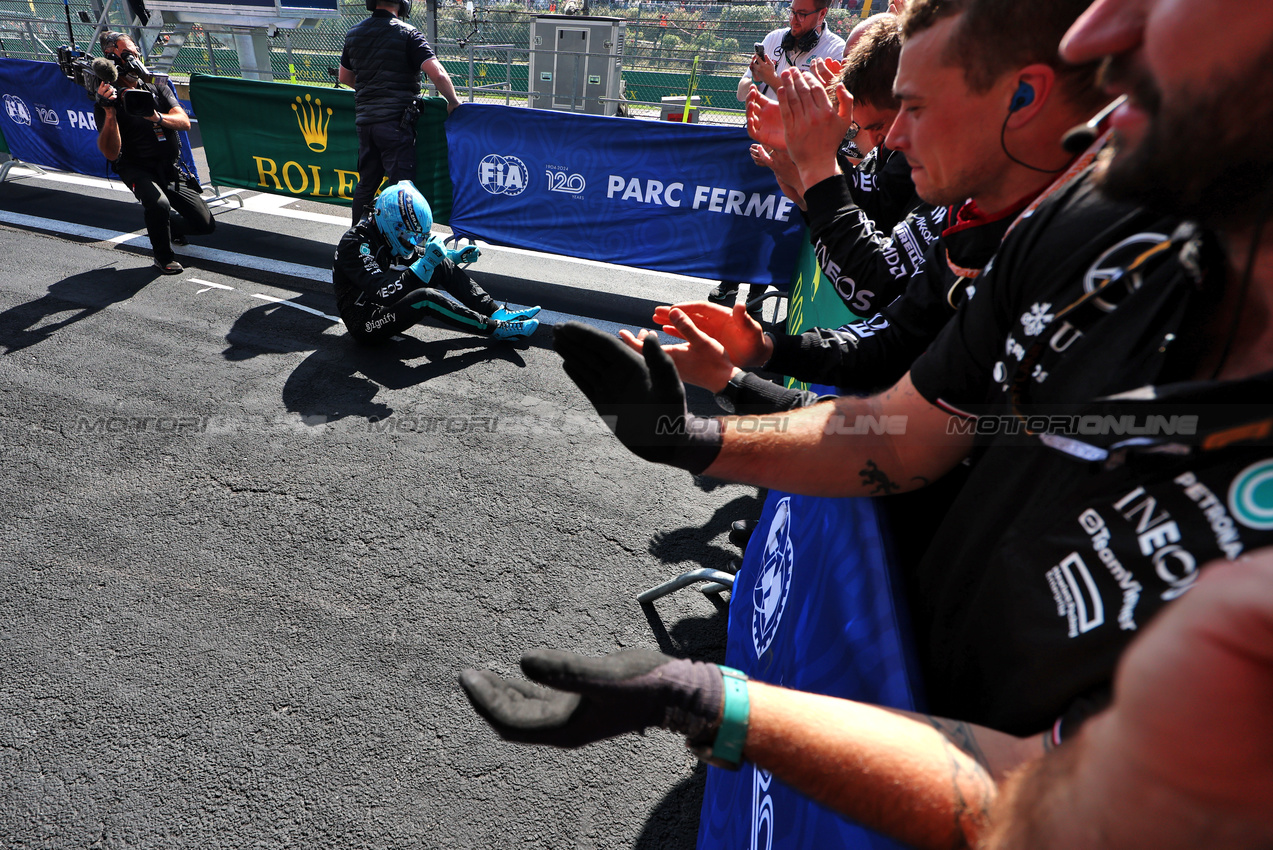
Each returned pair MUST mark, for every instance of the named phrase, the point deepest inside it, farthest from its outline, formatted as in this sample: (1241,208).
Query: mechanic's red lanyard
(1075,169)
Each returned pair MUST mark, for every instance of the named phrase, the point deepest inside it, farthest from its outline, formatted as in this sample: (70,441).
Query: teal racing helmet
(403,217)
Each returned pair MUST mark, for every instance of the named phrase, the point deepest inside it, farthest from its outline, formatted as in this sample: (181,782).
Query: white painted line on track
(274,300)
(215,255)
(207,284)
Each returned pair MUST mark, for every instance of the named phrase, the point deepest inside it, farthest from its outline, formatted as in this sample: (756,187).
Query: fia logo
(47,115)
(310,118)
(16,108)
(1251,496)
(502,175)
(560,181)
(774,582)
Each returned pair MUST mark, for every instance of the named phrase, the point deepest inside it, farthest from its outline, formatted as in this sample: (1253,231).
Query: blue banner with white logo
(48,120)
(813,608)
(679,198)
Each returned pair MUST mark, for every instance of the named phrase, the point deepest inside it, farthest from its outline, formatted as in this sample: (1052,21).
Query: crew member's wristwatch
(727,398)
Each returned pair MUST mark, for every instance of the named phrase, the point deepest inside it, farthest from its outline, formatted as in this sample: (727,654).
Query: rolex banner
(681,198)
(301,141)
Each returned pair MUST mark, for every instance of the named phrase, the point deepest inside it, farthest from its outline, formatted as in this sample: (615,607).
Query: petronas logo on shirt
(1251,496)
(309,115)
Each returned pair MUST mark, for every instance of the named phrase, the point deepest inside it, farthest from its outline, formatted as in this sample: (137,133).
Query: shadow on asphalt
(703,639)
(665,828)
(82,295)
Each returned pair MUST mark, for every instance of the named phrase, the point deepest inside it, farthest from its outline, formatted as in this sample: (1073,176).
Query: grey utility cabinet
(576,63)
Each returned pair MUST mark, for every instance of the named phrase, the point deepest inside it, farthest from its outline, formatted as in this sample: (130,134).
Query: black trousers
(384,150)
(371,323)
(162,192)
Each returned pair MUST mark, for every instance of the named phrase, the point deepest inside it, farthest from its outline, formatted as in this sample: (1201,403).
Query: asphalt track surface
(246,560)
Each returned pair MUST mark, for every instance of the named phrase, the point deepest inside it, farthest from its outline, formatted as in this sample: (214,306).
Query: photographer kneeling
(145,152)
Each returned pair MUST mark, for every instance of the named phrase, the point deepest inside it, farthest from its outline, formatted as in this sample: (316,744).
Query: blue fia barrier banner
(679,198)
(48,120)
(813,608)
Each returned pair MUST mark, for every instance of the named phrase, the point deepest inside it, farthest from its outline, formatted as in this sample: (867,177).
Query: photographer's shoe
(170,267)
(179,241)
(503,314)
(519,329)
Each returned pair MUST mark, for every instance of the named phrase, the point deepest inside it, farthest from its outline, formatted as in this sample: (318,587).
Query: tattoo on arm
(873,475)
(961,735)
(974,791)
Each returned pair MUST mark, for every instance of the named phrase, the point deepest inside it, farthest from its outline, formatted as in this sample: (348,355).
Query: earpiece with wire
(1021,98)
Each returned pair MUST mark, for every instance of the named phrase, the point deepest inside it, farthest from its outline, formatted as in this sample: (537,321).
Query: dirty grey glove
(590,699)
(639,396)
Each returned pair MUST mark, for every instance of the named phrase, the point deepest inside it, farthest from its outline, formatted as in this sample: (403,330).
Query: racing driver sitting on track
(376,302)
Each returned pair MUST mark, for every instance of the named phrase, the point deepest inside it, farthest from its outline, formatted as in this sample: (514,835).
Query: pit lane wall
(48,120)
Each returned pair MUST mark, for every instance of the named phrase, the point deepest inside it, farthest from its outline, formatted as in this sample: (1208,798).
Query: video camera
(91,73)
(86,72)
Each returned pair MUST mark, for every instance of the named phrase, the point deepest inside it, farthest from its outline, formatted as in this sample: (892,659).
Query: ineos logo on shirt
(1115,260)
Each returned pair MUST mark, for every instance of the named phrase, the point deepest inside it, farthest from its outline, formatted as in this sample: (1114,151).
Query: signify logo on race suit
(312,121)
(773,585)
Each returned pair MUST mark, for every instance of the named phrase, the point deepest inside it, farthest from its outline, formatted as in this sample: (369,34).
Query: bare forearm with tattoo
(927,781)
(890,443)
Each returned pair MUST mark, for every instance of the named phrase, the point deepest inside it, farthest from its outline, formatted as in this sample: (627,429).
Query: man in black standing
(382,62)
(145,152)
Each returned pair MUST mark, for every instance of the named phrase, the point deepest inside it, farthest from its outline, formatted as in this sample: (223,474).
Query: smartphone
(759,48)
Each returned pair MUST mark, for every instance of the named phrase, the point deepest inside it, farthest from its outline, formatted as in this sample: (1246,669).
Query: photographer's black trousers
(371,323)
(384,150)
(162,192)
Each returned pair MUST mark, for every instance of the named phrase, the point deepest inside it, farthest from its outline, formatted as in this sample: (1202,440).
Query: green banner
(4,146)
(300,141)
(813,301)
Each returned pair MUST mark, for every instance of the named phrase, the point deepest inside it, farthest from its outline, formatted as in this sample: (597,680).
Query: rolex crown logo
(310,118)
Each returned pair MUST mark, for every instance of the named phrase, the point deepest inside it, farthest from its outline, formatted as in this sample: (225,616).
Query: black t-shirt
(1053,558)
(143,142)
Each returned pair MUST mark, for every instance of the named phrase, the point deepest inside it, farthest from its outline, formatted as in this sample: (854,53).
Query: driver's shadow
(342,378)
(79,296)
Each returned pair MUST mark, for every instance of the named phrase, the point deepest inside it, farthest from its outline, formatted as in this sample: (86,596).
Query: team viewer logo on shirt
(1251,496)
(774,582)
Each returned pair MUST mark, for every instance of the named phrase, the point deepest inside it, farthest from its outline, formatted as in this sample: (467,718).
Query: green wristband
(727,751)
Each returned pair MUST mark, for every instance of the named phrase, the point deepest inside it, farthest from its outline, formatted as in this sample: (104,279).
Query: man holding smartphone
(796,46)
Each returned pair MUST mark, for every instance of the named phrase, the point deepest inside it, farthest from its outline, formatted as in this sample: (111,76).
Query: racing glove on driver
(639,396)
